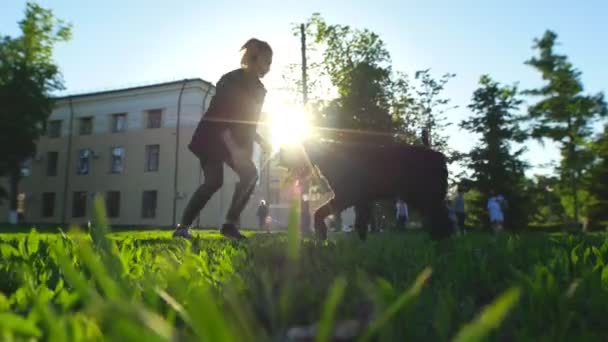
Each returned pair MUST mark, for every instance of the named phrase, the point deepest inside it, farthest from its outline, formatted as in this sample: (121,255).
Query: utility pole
(304,185)
(304,76)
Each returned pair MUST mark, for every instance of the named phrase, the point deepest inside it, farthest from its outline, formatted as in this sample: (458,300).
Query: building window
(155,117)
(21,205)
(86,126)
(113,203)
(84,161)
(54,129)
(275,196)
(79,204)
(119,122)
(26,167)
(148,208)
(117,156)
(51,163)
(48,204)
(152,157)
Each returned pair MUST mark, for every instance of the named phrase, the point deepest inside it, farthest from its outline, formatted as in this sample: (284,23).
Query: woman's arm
(263,143)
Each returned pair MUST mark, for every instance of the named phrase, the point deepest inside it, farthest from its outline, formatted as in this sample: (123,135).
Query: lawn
(145,286)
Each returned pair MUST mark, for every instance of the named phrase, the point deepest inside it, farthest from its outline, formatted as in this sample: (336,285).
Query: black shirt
(236,106)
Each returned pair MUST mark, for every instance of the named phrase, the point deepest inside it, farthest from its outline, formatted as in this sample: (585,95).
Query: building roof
(143,87)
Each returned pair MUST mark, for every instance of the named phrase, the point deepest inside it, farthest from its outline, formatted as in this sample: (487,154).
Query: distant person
(262,214)
(495,211)
(426,140)
(226,134)
(451,215)
(459,209)
(402,213)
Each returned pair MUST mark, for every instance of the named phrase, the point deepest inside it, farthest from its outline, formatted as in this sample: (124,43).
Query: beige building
(130,146)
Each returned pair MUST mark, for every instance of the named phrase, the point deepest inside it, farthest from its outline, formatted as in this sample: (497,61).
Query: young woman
(226,134)
(495,211)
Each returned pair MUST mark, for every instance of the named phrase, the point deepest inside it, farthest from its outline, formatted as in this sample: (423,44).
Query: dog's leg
(363,213)
(438,220)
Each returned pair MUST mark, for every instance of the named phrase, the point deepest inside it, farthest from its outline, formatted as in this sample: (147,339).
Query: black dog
(360,173)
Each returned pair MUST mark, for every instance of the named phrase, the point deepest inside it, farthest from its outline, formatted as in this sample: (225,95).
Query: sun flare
(288,125)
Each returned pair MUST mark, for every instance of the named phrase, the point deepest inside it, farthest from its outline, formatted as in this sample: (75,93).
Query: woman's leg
(214,178)
(248,176)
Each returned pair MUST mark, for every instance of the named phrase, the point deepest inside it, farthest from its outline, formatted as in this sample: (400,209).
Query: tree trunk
(13,193)
(575,196)
(573,172)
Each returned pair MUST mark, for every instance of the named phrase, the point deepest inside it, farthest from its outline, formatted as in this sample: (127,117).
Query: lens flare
(288,125)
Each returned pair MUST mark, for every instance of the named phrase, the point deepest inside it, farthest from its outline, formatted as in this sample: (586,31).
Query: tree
(372,103)
(543,194)
(495,166)
(431,107)
(597,182)
(564,114)
(358,65)
(28,75)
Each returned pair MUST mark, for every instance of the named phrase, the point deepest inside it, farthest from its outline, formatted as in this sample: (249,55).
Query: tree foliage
(371,102)
(564,114)
(597,182)
(495,164)
(28,75)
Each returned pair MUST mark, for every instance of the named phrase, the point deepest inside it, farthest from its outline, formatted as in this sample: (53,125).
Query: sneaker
(230,230)
(183,232)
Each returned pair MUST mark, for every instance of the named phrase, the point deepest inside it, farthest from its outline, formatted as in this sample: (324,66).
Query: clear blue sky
(121,43)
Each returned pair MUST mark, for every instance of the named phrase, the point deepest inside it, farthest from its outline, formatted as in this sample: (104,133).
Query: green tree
(597,181)
(495,165)
(28,75)
(358,65)
(431,107)
(372,102)
(564,114)
(544,196)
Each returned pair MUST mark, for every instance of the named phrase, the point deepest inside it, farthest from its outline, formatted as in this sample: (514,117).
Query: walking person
(226,134)
(402,213)
(459,209)
(451,214)
(495,211)
(262,215)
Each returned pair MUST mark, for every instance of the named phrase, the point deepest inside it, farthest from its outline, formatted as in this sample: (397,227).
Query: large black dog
(360,173)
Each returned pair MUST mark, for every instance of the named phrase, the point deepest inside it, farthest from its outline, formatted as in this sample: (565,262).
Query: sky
(117,44)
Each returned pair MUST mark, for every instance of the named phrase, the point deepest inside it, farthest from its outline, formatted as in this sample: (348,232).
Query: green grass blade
(293,231)
(74,277)
(405,299)
(490,317)
(18,324)
(110,287)
(329,309)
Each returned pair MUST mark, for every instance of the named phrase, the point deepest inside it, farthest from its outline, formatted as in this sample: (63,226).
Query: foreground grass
(140,286)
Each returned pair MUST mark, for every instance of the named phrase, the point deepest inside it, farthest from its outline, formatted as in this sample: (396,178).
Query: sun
(288,124)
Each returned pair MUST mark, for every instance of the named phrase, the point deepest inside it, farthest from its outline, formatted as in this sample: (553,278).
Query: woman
(402,214)
(495,204)
(226,134)
(262,215)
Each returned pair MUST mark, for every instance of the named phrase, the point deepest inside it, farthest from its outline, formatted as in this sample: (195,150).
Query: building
(130,147)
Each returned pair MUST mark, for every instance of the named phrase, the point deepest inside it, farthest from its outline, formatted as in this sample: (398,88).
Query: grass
(134,286)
